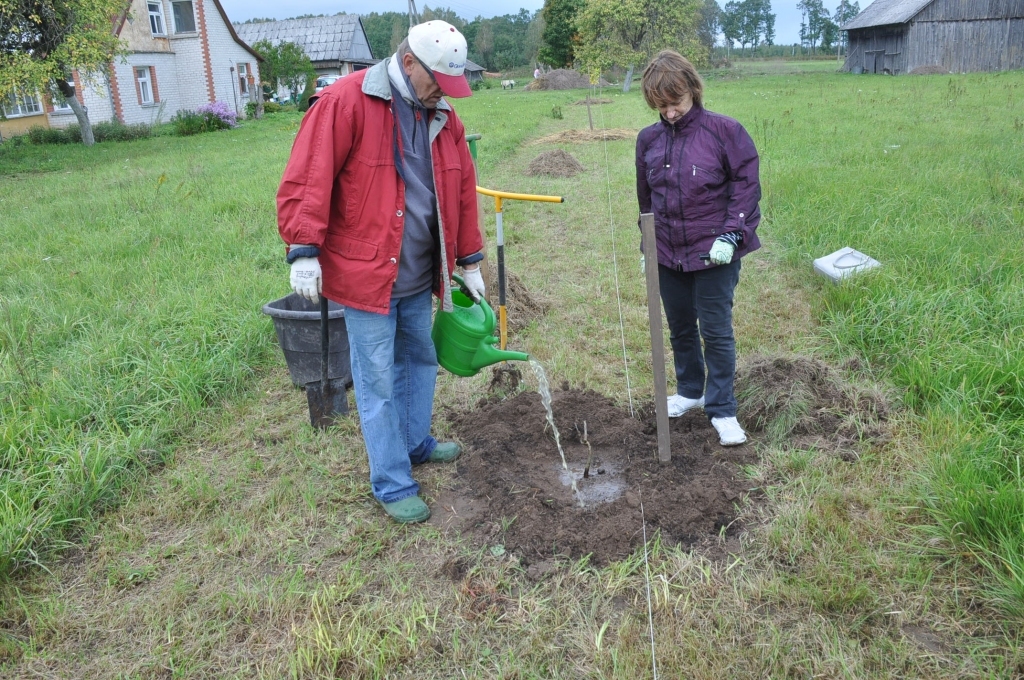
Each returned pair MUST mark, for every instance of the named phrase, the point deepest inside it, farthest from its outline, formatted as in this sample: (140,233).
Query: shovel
(326,397)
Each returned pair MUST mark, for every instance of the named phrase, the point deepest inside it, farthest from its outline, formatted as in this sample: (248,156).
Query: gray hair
(403,48)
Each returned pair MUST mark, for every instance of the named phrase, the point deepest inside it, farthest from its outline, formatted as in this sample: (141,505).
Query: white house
(183,54)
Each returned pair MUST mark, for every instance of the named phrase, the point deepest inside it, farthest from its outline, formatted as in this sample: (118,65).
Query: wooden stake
(589,114)
(657,336)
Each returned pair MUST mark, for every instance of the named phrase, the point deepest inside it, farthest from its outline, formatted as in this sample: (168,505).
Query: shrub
(188,123)
(41,135)
(271,107)
(218,115)
(116,131)
(250,110)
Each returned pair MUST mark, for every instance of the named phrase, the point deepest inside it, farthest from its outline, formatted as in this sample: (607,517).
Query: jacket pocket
(351,248)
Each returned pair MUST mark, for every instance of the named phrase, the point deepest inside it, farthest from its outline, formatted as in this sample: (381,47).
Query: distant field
(145,414)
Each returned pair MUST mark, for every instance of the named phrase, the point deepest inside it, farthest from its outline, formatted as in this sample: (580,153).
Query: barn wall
(964,10)
(967,46)
(879,49)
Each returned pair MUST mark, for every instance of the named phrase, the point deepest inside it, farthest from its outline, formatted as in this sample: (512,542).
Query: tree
(628,32)
(286,63)
(748,23)
(443,14)
(43,41)
(379,30)
(845,12)
(829,35)
(560,34)
(813,25)
(708,25)
(484,44)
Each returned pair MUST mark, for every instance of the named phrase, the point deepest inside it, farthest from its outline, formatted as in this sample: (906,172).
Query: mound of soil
(512,490)
(555,163)
(577,136)
(562,79)
(800,402)
(583,102)
(931,70)
(521,307)
(512,493)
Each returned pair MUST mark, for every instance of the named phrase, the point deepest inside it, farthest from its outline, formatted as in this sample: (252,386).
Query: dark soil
(584,102)
(511,489)
(555,163)
(930,70)
(521,308)
(511,492)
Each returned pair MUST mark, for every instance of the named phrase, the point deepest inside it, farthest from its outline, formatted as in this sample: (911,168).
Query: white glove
(722,252)
(307,279)
(474,283)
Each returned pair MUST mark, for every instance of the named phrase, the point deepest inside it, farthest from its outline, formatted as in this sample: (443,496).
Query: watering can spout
(488,354)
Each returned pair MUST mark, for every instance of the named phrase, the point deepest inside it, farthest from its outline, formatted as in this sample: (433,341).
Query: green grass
(130,336)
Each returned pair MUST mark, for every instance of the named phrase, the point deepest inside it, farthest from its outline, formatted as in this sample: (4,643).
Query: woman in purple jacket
(697,172)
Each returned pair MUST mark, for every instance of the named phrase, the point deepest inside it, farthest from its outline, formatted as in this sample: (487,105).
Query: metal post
(657,337)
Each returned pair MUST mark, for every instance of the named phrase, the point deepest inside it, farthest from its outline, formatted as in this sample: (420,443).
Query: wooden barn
(936,36)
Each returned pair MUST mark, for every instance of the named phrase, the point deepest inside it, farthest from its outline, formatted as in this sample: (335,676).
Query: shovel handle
(325,342)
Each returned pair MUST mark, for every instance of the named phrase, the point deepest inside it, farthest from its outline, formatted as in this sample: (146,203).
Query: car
(325,81)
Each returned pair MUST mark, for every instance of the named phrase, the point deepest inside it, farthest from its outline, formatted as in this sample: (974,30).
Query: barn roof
(885,12)
(471,66)
(321,38)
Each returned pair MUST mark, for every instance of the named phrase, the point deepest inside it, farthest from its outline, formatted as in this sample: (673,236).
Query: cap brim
(453,86)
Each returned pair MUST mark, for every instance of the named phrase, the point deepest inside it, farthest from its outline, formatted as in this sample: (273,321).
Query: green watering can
(464,338)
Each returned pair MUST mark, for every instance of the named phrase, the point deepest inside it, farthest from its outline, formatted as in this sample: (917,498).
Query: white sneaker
(678,405)
(729,431)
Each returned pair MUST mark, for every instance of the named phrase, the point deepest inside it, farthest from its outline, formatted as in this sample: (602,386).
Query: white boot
(678,405)
(729,431)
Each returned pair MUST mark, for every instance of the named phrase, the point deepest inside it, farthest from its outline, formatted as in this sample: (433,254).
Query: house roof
(886,12)
(471,66)
(321,38)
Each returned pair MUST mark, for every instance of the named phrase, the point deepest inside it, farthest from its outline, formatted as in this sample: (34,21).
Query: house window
(184,17)
(156,18)
(18,104)
(144,84)
(243,79)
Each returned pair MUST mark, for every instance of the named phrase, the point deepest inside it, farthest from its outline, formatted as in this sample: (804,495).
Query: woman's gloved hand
(306,278)
(722,251)
(474,281)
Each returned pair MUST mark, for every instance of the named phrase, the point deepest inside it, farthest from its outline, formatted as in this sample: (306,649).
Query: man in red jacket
(378,205)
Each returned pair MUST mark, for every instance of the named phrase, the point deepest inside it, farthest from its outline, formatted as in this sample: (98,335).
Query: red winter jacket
(341,192)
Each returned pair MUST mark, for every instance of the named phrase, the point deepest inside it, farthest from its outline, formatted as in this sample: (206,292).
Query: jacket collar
(378,84)
(685,123)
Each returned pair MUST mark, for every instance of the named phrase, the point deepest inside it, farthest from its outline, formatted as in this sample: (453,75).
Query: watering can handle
(488,312)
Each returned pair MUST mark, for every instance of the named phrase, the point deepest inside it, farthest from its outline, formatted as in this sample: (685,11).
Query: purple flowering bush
(219,115)
(207,118)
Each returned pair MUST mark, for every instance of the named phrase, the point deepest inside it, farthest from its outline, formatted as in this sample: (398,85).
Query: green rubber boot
(408,510)
(445,452)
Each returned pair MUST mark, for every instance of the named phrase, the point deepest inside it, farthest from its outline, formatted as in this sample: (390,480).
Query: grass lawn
(147,421)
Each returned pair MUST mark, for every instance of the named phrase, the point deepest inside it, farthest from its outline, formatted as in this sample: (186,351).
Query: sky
(787,17)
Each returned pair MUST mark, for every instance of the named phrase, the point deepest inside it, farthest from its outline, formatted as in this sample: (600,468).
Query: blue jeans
(394,371)
(698,305)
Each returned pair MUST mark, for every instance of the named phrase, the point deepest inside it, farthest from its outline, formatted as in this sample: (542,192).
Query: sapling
(590,455)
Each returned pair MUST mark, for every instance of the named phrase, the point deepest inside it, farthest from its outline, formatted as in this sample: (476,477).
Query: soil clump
(555,163)
(583,102)
(562,79)
(577,136)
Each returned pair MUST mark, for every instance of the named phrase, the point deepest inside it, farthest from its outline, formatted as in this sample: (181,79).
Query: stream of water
(545,397)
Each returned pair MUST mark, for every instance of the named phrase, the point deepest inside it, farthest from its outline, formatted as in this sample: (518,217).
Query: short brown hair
(668,78)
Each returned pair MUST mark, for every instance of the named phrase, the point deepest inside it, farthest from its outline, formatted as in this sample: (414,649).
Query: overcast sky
(787,21)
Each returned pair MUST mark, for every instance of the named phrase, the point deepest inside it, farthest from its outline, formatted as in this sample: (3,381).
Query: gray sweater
(415,268)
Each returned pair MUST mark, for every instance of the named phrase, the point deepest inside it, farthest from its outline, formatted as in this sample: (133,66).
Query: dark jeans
(699,305)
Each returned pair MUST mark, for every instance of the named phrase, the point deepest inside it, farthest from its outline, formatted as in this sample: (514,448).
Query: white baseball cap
(442,49)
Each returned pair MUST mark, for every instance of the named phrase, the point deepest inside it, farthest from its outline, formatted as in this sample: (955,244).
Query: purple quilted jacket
(699,178)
